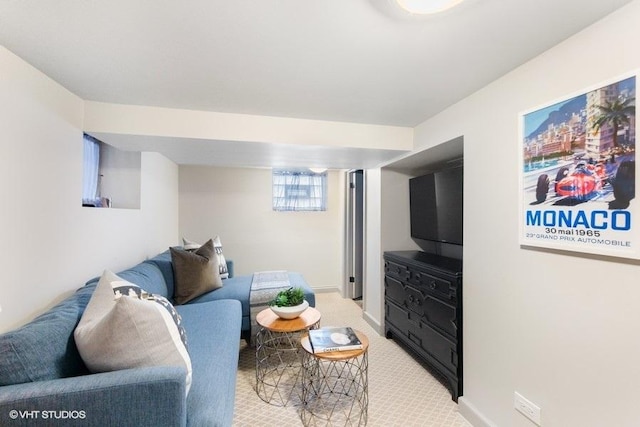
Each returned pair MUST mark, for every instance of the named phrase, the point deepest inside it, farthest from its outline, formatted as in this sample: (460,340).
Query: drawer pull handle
(411,298)
(432,285)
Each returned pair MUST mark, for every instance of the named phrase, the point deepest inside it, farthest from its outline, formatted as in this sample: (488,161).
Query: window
(91,172)
(111,177)
(299,190)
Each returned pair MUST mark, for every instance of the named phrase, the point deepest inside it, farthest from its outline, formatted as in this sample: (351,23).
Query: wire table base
(335,386)
(278,359)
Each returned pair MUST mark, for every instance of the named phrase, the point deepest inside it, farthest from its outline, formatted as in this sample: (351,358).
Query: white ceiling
(337,60)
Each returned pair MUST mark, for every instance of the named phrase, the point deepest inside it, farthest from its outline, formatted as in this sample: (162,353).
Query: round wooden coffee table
(335,385)
(278,360)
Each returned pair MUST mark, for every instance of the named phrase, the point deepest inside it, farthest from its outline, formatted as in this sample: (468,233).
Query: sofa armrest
(152,396)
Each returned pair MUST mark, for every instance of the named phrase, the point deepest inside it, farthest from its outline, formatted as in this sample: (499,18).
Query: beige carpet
(401,391)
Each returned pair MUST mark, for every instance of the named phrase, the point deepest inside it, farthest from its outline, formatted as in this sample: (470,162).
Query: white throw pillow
(222,263)
(189,245)
(130,329)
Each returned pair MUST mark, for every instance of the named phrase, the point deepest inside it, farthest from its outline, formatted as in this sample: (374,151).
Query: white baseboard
(373,323)
(472,414)
(370,320)
(325,289)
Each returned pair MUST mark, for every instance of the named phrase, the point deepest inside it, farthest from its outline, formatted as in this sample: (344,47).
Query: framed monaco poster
(578,172)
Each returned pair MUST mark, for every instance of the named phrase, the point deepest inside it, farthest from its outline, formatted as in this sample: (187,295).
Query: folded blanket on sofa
(264,288)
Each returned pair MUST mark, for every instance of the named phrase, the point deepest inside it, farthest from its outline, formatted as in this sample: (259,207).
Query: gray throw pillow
(194,273)
(192,246)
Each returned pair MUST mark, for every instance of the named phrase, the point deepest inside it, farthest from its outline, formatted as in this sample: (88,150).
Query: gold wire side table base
(278,361)
(335,386)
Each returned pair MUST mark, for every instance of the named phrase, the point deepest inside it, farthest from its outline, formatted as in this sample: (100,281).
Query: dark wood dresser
(423,310)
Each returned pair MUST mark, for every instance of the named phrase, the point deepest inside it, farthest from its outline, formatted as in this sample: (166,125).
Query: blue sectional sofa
(43,380)
(235,287)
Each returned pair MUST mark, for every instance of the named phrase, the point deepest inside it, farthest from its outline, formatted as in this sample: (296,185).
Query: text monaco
(618,220)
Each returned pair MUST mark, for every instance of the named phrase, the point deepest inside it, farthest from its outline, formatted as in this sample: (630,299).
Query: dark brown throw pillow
(195,273)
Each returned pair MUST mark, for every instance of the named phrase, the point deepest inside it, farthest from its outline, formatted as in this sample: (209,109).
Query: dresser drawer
(397,271)
(443,350)
(433,284)
(424,339)
(410,297)
(396,316)
(441,316)
(394,290)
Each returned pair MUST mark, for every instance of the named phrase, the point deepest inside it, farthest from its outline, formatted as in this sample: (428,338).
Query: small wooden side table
(278,361)
(335,385)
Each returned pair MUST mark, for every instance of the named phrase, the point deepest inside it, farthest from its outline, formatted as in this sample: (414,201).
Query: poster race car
(578,172)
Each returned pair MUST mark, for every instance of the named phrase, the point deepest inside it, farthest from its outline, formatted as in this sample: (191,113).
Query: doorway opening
(354,288)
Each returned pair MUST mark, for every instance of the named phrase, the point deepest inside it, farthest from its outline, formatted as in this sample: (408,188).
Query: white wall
(236,204)
(395,209)
(388,205)
(557,327)
(50,244)
(373,288)
(120,179)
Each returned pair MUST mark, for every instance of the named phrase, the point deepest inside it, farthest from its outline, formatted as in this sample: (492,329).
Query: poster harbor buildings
(578,173)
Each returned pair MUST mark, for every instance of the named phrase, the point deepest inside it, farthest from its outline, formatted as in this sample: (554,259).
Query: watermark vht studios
(36,414)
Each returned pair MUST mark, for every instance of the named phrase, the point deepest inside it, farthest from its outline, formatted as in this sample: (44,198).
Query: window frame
(298,190)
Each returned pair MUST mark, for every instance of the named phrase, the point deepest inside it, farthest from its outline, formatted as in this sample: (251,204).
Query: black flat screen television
(436,206)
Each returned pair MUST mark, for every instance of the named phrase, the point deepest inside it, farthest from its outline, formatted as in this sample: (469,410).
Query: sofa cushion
(148,276)
(163,263)
(44,349)
(127,332)
(195,273)
(215,353)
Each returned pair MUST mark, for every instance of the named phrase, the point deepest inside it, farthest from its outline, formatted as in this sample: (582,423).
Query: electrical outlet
(527,408)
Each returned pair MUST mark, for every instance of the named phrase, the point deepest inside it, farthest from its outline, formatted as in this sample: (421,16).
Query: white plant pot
(290,312)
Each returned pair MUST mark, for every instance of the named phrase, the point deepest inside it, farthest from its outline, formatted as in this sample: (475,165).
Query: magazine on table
(329,339)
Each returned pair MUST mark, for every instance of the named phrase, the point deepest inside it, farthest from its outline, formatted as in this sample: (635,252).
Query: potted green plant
(289,303)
